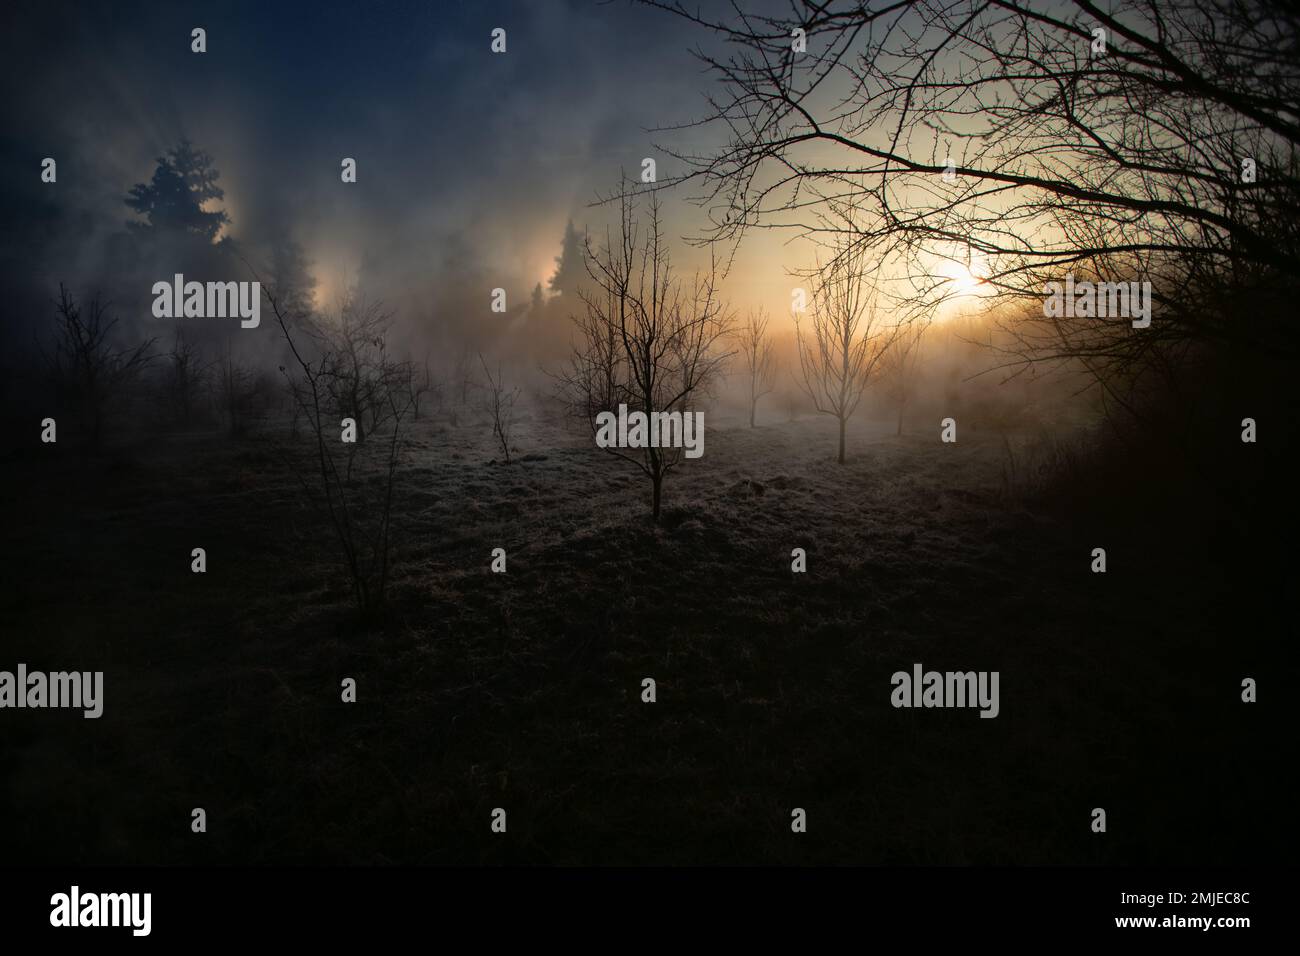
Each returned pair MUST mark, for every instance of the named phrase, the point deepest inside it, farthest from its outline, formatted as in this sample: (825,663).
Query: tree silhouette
(1146,139)
(173,200)
(646,337)
(570,268)
(758,355)
(88,372)
(291,278)
(850,334)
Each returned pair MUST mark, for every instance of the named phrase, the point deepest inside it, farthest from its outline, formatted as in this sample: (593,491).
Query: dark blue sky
(467,161)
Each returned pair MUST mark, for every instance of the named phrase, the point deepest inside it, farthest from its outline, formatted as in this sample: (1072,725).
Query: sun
(962,279)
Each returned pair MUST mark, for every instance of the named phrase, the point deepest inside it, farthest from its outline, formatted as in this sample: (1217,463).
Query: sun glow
(963,279)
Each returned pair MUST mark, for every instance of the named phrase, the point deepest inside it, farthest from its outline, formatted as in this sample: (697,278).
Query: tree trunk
(900,420)
(658,488)
(753,407)
(841,441)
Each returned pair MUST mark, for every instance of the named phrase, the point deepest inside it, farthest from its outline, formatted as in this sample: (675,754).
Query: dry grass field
(523,690)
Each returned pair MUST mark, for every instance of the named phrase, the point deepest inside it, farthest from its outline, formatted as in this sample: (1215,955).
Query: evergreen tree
(570,270)
(290,277)
(173,200)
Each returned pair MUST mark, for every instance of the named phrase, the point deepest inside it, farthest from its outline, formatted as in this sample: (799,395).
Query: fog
(579,461)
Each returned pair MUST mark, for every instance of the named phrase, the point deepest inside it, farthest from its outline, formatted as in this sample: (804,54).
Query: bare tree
(232,385)
(1152,139)
(88,372)
(499,403)
(898,366)
(758,354)
(849,334)
(186,377)
(463,374)
(645,339)
(244,393)
(360,375)
(595,380)
(360,513)
(420,382)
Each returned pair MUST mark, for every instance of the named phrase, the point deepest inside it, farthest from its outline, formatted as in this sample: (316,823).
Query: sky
(469,163)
